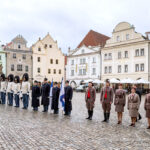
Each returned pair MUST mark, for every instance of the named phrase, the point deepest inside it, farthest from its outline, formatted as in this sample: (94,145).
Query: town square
(74,75)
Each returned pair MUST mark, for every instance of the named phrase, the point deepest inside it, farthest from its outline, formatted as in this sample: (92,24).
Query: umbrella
(127,80)
(98,81)
(114,80)
(142,81)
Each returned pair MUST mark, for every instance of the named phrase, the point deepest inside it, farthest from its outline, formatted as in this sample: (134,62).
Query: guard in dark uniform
(68,98)
(55,98)
(45,95)
(36,96)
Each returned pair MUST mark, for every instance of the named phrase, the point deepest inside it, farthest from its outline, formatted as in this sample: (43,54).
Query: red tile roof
(94,39)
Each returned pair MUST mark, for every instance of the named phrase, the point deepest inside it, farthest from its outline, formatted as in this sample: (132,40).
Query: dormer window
(118,38)
(19,46)
(50,46)
(45,46)
(127,37)
(39,49)
(82,51)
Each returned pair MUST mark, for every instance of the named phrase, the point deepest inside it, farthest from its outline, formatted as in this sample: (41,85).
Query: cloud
(68,21)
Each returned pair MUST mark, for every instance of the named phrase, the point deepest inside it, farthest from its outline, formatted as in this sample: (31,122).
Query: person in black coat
(55,98)
(68,98)
(45,95)
(35,96)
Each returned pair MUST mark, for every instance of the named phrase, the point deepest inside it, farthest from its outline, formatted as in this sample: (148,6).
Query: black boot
(88,114)
(140,117)
(91,115)
(105,117)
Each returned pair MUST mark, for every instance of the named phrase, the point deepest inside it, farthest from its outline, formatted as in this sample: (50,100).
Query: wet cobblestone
(27,130)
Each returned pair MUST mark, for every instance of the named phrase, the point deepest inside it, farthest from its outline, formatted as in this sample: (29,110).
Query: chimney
(147,35)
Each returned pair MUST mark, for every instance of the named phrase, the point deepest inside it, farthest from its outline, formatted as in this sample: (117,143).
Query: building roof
(94,39)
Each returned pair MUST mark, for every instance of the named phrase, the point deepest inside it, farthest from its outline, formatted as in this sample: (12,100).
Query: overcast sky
(68,21)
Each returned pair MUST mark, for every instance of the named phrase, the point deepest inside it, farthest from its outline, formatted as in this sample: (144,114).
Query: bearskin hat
(26,77)
(17,78)
(11,78)
(2,77)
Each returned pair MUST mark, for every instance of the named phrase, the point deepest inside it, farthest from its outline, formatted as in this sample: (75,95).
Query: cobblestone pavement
(27,130)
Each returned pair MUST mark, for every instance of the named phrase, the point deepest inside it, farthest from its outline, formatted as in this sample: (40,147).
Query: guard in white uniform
(25,89)
(3,89)
(16,90)
(10,90)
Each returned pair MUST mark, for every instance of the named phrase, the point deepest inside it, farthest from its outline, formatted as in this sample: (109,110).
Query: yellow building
(48,60)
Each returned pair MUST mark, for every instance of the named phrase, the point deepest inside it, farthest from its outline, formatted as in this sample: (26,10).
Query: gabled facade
(48,60)
(126,54)
(19,57)
(82,64)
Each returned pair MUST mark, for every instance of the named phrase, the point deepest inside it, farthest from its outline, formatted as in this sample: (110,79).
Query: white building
(83,63)
(126,54)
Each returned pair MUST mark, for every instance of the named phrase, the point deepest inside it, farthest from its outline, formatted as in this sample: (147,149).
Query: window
(19,67)
(38,59)
(84,71)
(84,61)
(136,67)
(72,72)
(118,38)
(80,61)
(59,71)
(142,52)
(142,67)
(54,71)
(80,71)
(94,71)
(51,61)
(110,69)
(0,57)
(119,68)
(82,51)
(56,61)
(94,59)
(49,71)
(105,70)
(119,55)
(72,62)
(19,46)
(12,67)
(137,52)
(14,55)
(38,70)
(109,56)
(105,57)
(45,46)
(126,68)
(127,37)
(26,68)
(23,56)
(39,49)
(50,46)
(126,54)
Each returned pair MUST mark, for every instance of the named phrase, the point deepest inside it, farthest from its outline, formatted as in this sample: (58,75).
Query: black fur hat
(11,78)
(2,77)
(17,78)
(26,77)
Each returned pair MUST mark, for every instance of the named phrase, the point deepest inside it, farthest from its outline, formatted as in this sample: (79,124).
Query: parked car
(80,88)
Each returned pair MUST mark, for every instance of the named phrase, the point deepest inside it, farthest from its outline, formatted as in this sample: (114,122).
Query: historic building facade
(126,54)
(2,61)
(48,60)
(84,62)
(18,57)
